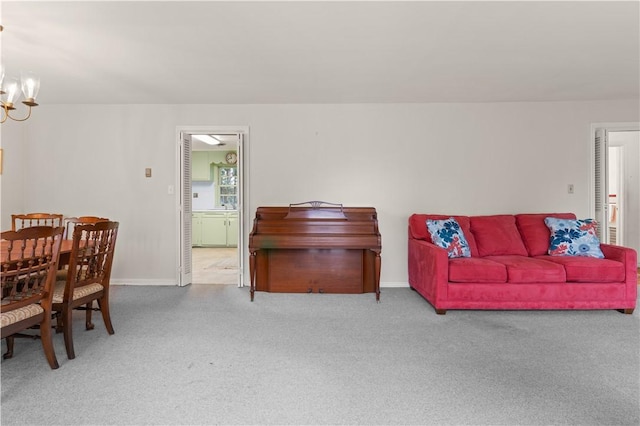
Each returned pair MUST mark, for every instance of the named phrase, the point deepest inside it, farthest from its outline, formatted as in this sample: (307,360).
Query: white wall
(206,195)
(399,158)
(13,139)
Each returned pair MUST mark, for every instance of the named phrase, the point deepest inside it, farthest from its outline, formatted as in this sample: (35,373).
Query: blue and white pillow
(573,237)
(446,233)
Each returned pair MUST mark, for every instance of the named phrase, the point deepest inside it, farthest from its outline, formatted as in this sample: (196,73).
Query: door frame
(243,187)
(606,127)
(621,213)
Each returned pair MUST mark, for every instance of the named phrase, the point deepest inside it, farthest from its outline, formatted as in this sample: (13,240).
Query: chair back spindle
(71,222)
(28,220)
(92,254)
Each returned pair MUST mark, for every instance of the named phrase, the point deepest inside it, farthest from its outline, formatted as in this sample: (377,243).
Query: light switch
(147,172)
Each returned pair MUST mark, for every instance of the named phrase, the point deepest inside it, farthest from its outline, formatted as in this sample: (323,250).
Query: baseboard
(394,284)
(165,282)
(145,281)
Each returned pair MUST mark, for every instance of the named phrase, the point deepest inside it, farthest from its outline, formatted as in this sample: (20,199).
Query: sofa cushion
(581,269)
(418,228)
(497,235)
(476,270)
(446,233)
(573,237)
(535,233)
(524,269)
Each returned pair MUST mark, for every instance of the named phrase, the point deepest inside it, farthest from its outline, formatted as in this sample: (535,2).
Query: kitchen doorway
(211,206)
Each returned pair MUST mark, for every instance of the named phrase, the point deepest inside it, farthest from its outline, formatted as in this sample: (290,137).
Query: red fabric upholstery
(588,269)
(535,233)
(535,296)
(522,269)
(418,228)
(476,270)
(497,235)
(428,270)
(540,282)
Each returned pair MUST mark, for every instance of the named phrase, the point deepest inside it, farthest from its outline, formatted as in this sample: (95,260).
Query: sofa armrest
(428,270)
(619,253)
(625,255)
(629,258)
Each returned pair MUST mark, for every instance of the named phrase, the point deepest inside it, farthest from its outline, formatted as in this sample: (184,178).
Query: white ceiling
(209,52)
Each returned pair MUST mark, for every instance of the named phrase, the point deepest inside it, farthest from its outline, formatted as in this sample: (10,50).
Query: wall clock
(231,157)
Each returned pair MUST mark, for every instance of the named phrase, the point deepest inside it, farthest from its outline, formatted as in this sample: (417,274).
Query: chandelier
(10,93)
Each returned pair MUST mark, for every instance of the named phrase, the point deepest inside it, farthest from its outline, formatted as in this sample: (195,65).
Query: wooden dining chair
(27,220)
(87,278)
(29,263)
(71,222)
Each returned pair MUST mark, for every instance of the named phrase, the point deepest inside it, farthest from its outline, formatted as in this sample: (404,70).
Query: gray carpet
(207,355)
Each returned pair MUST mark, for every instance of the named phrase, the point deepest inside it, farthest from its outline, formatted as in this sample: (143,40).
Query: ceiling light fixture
(208,139)
(10,92)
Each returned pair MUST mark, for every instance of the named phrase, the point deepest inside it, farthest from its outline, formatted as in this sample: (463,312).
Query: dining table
(63,258)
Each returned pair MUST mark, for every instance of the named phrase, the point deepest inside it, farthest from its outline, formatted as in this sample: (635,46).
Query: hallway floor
(215,265)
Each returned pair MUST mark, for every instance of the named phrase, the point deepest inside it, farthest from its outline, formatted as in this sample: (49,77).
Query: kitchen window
(228,187)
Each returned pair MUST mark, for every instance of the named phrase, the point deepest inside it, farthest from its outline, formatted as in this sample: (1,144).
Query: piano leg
(377,266)
(252,273)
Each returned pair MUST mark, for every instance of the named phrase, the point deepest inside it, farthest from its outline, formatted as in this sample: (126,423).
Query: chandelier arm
(7,115)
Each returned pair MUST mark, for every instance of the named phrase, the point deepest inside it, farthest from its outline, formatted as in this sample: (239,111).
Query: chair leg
(103,303)
(9,353)
(68,332)
(47,342)
(59,324)
(88,324)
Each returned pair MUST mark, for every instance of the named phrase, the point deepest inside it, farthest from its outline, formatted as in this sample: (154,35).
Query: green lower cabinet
(196,229)
(215,229)
(232,230)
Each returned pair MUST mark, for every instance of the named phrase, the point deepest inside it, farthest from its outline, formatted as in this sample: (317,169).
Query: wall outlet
(570,188)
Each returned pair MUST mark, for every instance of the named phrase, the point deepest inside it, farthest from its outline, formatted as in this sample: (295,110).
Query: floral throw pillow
(573,237)
(446,233)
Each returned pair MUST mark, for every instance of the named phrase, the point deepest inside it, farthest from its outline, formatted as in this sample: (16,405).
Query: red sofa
(509,268)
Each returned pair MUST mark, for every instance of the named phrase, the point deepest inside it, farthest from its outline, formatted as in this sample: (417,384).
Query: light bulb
(12,92)
(30,86)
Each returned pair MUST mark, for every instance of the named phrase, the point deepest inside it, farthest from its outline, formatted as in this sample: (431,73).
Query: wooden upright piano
(315,247)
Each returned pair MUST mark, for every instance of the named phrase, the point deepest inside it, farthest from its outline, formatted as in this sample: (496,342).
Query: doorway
(624,187)
(617,183)
(210,205)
